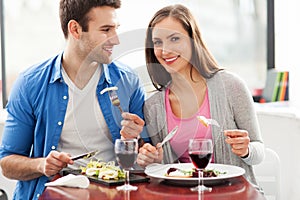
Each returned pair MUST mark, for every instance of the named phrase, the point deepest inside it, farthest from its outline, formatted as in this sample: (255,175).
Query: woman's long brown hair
(202,60)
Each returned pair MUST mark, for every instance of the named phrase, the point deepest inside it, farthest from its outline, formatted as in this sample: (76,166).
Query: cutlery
(207,122)
(168,137)
(115,99)
(84,155)
(113,96)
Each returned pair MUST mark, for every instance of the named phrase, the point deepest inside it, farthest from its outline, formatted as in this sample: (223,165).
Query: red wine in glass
(200,152)
(200,159)
(126,153)
(126,160)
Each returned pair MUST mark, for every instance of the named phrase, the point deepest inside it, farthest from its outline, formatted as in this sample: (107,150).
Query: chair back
(267,174)
(3,195)
(145,79)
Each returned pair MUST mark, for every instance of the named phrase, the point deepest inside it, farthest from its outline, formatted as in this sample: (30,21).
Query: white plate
(160,171)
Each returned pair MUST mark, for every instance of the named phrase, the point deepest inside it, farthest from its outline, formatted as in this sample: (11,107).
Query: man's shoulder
(40,67)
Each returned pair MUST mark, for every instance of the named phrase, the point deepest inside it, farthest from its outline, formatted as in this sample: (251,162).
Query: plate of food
(106,173)
(185,173)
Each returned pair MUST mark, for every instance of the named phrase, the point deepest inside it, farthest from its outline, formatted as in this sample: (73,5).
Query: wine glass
(200,152)
(126,152)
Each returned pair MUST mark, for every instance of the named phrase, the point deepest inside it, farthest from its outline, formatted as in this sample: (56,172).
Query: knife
(84,155)
(168,137)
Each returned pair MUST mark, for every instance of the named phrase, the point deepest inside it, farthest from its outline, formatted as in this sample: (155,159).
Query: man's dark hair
(78,9)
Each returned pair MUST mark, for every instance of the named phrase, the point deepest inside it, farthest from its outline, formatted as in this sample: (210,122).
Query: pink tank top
(187,128)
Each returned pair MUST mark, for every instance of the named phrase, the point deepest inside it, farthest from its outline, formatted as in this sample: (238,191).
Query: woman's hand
(239,141)
(149,154)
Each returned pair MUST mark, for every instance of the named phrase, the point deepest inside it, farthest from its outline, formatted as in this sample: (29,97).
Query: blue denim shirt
(37,106)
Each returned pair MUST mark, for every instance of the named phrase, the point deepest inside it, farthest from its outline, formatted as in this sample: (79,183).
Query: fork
(115,99)
(113,96)
(207,122)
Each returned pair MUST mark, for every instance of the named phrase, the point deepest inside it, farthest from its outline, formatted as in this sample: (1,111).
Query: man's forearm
(21,168)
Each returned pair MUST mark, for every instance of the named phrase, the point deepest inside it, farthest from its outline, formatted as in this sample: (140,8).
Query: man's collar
(105,68)
(56,74)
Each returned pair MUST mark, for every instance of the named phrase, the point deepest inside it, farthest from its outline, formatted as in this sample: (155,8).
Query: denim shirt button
(65,97)
(38,195)
(59,123)
(53,147)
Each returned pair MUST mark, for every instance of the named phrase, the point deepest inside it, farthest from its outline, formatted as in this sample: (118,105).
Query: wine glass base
(201,188)
(127,188)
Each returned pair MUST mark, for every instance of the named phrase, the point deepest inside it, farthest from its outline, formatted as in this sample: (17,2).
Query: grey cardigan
(231,104)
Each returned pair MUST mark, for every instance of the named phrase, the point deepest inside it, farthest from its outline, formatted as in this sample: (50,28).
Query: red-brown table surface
(237,189)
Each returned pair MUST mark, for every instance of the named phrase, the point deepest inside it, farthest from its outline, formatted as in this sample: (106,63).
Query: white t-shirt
(85,128)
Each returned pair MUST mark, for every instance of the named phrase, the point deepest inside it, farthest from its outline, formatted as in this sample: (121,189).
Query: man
(56,108)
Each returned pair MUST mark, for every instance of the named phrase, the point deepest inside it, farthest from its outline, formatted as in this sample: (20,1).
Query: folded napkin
(71,180)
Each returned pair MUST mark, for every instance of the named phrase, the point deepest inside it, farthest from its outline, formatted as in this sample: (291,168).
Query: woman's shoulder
(227,78)
(225,82)
(154,97)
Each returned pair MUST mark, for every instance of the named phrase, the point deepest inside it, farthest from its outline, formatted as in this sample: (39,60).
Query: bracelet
(141,142)
(246,154)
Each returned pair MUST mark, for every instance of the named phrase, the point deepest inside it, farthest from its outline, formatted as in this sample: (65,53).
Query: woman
(190,83)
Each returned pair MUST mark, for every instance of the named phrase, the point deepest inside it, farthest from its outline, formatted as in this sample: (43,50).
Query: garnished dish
(184,174)
(103,170)
(107,173)
(176,172)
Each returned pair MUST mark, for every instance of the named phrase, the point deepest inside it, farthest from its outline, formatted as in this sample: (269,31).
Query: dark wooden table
(236,189)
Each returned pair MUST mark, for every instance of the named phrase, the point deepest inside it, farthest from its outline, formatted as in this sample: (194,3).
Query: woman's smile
(170,60)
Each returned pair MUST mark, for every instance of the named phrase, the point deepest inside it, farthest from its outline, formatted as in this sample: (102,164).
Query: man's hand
(55,162)
(132,125)
(20,167)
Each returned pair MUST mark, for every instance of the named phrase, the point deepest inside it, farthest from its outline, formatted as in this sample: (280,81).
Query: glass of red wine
(200,152)
(126,153)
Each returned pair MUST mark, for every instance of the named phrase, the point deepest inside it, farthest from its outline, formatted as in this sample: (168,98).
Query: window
(32,33)
(235,32)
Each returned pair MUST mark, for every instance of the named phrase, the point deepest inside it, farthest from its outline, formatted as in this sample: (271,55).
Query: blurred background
(235,31)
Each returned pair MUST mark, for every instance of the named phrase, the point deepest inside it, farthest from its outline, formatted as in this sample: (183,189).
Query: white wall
(282,131)
(287,40)
(280,128)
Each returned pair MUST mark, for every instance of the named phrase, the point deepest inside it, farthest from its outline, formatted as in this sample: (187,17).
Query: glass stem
(200,174)
(126,177)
